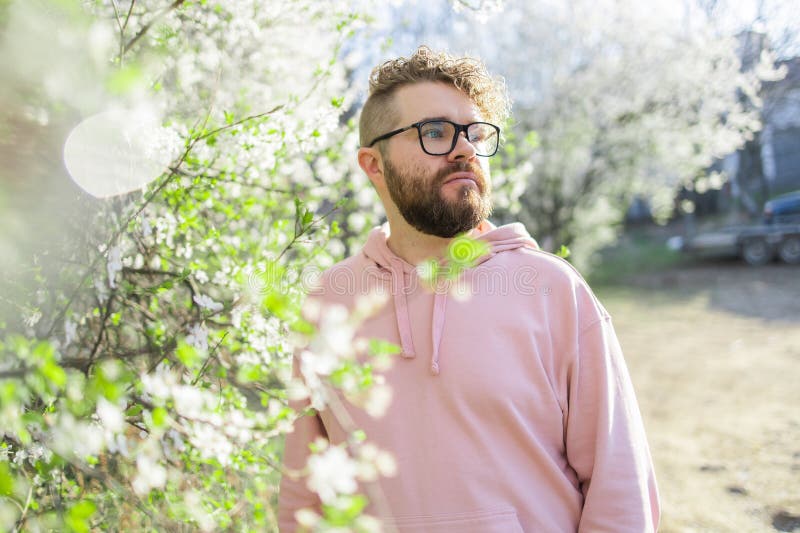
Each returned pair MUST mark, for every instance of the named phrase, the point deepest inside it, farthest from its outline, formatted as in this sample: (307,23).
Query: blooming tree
(147,338)
(624,102)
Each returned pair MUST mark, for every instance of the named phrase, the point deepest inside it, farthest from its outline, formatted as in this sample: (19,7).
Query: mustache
(461,166)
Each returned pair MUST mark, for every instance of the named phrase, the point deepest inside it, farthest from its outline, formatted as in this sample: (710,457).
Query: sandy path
(715,357)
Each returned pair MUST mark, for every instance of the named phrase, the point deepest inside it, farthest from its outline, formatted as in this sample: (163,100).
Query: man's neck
(413,246)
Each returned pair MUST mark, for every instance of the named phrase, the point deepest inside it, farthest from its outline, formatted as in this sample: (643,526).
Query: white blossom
(32,318)
(374,462)
(110,416)
(75,438)
(206,302)
(189,401)
(147,228)
(211,442)
(379,397)
(113,265)
(201,276)
(356,221)
(149,474)
(332,472)
(198,336)
(158,384)
(334,332)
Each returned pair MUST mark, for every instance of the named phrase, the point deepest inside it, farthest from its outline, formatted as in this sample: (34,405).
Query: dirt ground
(714,352)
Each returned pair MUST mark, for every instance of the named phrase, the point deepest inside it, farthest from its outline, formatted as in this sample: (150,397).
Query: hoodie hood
(500,239)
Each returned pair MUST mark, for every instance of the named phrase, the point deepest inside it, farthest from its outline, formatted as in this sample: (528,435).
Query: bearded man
(512,409)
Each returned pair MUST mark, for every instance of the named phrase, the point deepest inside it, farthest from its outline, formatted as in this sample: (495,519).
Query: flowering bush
(145,363)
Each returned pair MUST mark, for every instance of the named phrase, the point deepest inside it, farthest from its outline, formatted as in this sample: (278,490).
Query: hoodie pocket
(502,520)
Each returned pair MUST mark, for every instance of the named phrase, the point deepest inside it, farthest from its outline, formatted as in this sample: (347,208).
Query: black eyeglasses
(439,137)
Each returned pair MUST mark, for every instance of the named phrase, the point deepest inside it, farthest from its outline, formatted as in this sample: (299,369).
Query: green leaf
(271,277)
(54,374)
(249,373)
(43,351)
(278,304)
(382,347)
(124,80)
(6,480)
(563,252)
(346,509)
(159,416)
(77,519)
(188,355)
(532,139)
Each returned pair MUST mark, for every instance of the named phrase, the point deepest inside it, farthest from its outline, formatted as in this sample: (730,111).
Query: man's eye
(433,133)
(480,134)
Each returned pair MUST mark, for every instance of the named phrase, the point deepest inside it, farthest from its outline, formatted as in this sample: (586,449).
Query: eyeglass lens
(438,136)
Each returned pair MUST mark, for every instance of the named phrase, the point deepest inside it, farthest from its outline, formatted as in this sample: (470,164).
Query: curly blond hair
(466,74)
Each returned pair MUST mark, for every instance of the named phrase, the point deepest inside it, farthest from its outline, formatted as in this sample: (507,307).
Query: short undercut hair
(468,75)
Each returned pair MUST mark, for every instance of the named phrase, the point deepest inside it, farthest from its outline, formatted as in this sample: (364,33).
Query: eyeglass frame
(459,128)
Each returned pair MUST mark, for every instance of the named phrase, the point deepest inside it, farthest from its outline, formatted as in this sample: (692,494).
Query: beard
(420,200)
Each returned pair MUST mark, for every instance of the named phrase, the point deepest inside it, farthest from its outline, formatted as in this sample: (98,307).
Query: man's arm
(605,439)
(294,494)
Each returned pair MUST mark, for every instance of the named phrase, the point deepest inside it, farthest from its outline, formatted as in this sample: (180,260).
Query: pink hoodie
(512,410)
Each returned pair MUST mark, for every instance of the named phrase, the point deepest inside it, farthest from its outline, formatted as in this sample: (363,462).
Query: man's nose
(463,148)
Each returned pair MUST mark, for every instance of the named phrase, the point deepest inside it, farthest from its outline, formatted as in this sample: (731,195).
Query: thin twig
(16,373)
(210,356)
(103,324)
(128,15)
(21,519)
(121,29)
(146,27)
(242,121)
(151,272)
(303,231)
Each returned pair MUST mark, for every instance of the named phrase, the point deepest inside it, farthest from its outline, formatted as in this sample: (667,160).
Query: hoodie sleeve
(294,494)
(605,438)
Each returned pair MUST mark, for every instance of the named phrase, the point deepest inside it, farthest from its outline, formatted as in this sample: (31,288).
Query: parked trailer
(757,245)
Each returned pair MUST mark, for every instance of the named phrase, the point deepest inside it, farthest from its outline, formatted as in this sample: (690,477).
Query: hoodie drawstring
(401,309)
(404,320)
(439,305)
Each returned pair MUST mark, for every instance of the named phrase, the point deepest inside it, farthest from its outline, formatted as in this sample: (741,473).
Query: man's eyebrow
(434,118)
(445,118)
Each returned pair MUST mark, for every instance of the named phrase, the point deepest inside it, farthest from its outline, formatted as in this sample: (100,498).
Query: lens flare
(118,151)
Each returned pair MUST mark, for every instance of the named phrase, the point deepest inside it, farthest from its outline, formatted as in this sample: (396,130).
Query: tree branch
(176,4)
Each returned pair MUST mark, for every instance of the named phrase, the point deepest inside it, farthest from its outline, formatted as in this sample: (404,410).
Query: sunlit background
(207,143)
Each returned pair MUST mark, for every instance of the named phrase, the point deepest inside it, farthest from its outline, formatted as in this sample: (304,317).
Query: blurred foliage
(634,254)
(147,339)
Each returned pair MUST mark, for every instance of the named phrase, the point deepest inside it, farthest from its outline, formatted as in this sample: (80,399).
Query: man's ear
(371,162)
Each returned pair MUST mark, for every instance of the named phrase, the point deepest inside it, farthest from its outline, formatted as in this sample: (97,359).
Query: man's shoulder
(349,277)
(355,264)
(534,271)
(542,263)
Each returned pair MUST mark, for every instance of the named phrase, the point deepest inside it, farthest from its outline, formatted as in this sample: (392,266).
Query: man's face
(441,195)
